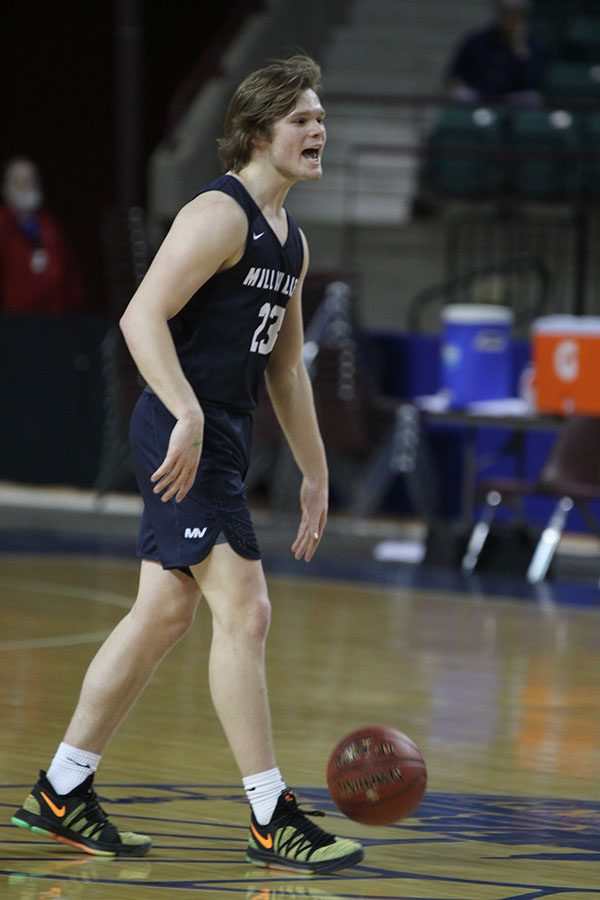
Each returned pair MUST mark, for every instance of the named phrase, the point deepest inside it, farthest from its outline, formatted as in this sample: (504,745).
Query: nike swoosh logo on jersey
(266,842)
(257,236)
(57,810)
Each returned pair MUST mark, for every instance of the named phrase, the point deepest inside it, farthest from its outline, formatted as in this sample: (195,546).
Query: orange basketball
(376,775)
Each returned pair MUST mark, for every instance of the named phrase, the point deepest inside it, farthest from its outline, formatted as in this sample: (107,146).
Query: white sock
(70,767)
(262,791)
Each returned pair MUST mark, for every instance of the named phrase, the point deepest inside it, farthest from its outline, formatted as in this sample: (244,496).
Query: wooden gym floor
(500,688)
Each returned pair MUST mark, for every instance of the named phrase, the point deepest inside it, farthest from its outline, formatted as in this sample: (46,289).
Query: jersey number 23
(270,322)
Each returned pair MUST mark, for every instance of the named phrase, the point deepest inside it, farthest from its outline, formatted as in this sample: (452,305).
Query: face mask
(26,201)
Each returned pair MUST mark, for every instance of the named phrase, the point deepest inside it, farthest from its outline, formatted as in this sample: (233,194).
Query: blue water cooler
(476,349)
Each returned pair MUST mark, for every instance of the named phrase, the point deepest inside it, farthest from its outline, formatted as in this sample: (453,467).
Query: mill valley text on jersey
(271,280)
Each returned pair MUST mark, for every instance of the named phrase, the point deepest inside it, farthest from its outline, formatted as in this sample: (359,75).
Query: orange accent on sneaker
(57,810)
(65,840)
(266,842)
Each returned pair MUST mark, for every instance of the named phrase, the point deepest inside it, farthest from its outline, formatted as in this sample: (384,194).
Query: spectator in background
(37,269)
(504,62)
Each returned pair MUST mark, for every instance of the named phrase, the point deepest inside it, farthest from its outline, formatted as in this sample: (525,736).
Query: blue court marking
(581,592)
(578,593)
(502,827)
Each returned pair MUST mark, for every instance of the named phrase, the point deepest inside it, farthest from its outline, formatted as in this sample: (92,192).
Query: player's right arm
(208,235)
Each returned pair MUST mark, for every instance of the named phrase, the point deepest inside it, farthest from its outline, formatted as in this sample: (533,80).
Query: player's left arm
(291,394)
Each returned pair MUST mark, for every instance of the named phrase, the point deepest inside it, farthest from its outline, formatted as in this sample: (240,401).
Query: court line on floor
(67,590)
(62,590)
(66,640)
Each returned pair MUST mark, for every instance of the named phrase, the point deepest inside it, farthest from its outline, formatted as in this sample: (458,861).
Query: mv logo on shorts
(194,532)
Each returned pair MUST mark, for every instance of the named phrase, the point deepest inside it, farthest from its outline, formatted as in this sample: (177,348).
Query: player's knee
(181,620)
(247,618)
(170,620)
(258,619)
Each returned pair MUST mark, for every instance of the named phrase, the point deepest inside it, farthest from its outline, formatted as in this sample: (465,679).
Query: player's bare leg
(236,592)
(162,613)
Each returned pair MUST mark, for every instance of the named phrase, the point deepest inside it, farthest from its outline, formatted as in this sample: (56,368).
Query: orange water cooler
(566,361)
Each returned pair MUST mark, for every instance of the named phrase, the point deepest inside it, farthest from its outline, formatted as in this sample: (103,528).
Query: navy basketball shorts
(179,535)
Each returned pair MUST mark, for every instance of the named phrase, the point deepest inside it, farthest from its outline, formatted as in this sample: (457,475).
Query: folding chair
(370,438)
(571,475)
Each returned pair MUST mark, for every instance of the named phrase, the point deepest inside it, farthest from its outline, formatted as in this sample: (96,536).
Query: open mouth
(311,153)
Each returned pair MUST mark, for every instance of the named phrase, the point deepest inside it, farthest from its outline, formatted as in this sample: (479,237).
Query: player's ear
(261,138)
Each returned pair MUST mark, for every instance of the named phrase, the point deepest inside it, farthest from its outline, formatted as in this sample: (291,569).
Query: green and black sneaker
(77,819)
(291,841)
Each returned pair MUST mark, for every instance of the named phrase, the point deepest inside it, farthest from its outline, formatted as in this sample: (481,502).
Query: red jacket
(37,274)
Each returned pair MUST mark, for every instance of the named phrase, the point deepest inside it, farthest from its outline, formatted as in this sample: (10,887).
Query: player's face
(298,139)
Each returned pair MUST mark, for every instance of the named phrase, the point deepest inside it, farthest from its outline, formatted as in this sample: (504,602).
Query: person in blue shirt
(502,63)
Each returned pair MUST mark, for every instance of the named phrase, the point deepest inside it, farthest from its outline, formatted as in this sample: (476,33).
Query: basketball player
(219,306)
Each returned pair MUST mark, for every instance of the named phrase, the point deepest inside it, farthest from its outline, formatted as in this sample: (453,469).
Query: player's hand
(314,502)
(176,474)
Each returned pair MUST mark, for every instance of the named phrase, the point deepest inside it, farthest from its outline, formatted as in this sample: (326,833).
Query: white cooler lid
(567,325)
(477,313)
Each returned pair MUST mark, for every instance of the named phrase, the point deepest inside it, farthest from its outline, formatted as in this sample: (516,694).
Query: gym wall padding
(51,399)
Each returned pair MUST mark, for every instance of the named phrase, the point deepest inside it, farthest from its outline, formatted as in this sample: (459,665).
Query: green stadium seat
(555,12)
(551,31)
(555,8)
(582,42)
(573,81)
(462,145)
(548,140)
(591,164)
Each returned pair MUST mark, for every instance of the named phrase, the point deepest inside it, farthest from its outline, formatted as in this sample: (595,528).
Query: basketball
(376,775)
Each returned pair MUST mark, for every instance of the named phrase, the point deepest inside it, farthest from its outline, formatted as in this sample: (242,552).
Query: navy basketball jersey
(226,332)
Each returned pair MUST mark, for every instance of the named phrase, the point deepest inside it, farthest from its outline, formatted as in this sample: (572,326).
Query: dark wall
(52,399)
(58,70)
(58,77)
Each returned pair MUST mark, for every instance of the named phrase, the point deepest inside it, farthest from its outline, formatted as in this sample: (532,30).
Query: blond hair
(263,97)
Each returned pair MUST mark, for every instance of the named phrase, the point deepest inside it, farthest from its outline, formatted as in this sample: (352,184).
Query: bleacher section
(383,63)
(372,52)
(531,154)
(186,159)
(389,50)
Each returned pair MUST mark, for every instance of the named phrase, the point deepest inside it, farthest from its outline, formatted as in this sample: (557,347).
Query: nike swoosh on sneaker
(57,810)
(266,842)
